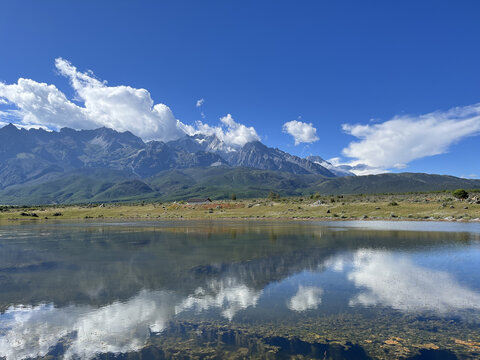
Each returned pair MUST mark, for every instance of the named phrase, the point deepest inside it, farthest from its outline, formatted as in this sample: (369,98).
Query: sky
(382,86)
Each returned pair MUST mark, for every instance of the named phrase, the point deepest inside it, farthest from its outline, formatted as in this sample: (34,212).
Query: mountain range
(70,166)
(34,155)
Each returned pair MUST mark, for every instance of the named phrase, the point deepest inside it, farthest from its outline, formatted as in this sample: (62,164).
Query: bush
(273,196)
(460,194)
(233,197)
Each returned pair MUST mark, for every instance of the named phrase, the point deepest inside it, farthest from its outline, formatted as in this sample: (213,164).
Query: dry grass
(440,206)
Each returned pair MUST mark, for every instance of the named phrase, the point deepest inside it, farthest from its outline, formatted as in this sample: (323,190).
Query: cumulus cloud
(122,108)
(302,132)
(43,104)
(399,283)
(230,132)
(396,142)
(200,102)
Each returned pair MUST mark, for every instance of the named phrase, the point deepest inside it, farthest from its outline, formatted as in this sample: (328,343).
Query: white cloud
(231,132)
(302,132)
(399,283)
(42,104)
(306,298)
(199,105)
(396,142)
(122,108)
(356,167)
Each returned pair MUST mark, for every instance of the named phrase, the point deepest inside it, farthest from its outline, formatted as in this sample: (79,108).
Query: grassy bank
(427,206)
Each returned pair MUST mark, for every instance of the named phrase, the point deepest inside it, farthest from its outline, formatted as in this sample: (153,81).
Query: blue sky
(346,67)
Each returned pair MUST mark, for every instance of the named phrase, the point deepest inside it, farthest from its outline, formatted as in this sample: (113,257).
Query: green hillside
(394,183)
(216,183)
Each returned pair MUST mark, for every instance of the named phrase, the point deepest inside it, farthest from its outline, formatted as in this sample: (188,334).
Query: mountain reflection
(397,282)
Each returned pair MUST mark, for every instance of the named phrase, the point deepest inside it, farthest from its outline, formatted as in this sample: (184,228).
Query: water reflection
(77,292)
(306,298)
(31,331)
(228,295)
(397,282)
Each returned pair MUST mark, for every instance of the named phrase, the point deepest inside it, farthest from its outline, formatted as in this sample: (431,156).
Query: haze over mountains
(38,166)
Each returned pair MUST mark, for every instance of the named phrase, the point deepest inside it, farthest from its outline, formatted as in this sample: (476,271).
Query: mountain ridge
(104,165)
(30,155)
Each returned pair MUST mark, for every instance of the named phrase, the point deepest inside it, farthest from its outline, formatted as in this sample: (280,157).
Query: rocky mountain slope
(34,156)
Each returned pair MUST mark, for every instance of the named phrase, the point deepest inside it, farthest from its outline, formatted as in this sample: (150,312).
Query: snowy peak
(254,155)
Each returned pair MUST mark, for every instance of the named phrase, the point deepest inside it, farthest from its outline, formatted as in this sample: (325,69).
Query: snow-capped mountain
(27,155)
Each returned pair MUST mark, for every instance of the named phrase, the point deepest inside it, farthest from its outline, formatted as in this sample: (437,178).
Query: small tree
(460,194)
(273,196)
(233,196)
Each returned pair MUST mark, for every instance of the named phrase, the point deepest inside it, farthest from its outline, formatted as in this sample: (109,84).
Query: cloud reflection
(119,327)
(399,283)
(228,295)
(32,331)
(306,298)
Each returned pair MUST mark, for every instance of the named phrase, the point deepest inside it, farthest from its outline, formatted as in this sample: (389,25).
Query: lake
(214,290)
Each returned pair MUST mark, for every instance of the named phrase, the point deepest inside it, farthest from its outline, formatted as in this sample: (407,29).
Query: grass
(427,206)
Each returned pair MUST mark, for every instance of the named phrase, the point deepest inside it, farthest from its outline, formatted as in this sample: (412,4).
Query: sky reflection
(228,295)
(395,281)
(31,331)
(119,327)
(306,298)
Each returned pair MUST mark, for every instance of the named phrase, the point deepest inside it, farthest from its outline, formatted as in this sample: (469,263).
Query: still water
(214,290)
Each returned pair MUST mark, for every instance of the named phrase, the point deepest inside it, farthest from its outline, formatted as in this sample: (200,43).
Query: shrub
(273,196)
(460,194)
(233,197)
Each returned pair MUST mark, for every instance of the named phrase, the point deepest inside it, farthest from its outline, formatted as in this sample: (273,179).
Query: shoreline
(220,219)
(400,207)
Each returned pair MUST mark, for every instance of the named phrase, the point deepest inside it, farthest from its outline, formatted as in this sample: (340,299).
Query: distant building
(199,201)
